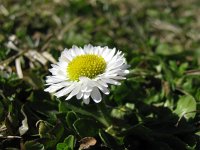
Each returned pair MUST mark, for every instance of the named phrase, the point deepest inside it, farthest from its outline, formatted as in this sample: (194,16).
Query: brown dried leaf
(87,142)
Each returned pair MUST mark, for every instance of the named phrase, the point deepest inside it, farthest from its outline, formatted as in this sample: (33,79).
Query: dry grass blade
(19,67)
(12,58)
(49,57)
(66,28)
(161,25)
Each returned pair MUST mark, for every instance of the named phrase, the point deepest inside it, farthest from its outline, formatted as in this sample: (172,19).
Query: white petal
(52,89)
(58,72)
(79,95)
(55,66)
(105,52)
(110,55)
(125,66)
(88,49)
(112,71)
(55,87)
(88,89)
(84,87)
(91,83)
(114,59)
(100,51)
(111,81)
(74,92)
(65,91)
(86,101)
(123,72)
(86,95)
(116,65)
(96,95)
(110,75)
(96,52)
(63,58)
(101,82)
(105,90)
(119,78)
(69,57)
(84,81)
(53,79)
(62,64)
(76,50)
(126,71)
(102,88)
(114,62)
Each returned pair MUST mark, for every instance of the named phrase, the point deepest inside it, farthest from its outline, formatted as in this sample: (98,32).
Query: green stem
(104,113)
(100,117)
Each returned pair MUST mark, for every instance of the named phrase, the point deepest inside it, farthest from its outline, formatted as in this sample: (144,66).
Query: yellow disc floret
(88,65)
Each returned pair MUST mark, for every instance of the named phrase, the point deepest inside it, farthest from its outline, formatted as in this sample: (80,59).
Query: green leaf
(34,80)
(70,141)
(71,118)
(55,135)
(62,146)
(108,140)
(68,144)
(32,145)
(130,106)
(166,49)
(168,75)
(186,107)
(43,128)
(122,111)
(86,127)
(118,113)
(86,110)
(62,107)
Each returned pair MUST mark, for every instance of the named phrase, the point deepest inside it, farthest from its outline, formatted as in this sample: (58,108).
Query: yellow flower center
(88,65)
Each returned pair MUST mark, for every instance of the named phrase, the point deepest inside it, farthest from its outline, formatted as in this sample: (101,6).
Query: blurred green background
(157,107)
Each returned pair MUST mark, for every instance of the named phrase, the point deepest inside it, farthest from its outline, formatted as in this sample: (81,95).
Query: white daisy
(84,72)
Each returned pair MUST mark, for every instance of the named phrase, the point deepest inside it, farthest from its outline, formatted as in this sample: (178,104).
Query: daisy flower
(86,72)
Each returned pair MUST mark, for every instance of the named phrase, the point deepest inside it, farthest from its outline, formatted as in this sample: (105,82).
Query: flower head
(84,72)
